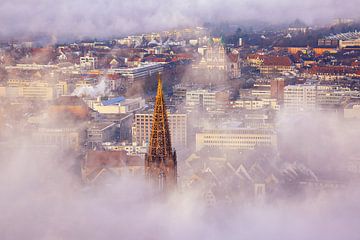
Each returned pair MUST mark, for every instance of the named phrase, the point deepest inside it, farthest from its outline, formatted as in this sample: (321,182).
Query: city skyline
(179,120)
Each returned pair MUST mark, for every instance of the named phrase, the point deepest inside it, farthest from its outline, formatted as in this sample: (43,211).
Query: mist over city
(179,119)
(76,19)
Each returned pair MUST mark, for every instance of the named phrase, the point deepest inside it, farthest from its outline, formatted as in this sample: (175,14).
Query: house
(101,164)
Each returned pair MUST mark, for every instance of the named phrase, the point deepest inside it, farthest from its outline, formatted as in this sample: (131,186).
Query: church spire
(160,161)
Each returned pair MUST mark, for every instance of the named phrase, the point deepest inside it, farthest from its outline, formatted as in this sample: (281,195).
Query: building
(179,92)
(61,88)
(276,65)
(304,97)
(353,44)
(333,96)
(242,139)
(258,121)
(31,67)
(270,65)
(216,58)
(347,40)
(160,161)
(277,86)
(256,103)
(323,42)
(71,107)
(98,133)
(352,111)
(132,149)
(177,126)
(300,97)
(341,21)
(205,99)
(140,72)
(261,92)
(31,90)
(63,138)
(98,165)
(88,62)
(118,105)
(332,72)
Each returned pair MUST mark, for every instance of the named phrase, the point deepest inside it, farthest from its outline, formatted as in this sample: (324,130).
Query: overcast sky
(101,18)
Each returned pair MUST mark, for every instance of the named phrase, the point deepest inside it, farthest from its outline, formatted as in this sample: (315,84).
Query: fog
(42,197)
(323,141)
(98,90)
(95,18)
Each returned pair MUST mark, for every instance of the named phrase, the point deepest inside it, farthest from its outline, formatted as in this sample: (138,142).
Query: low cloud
(95,18)
(42,198)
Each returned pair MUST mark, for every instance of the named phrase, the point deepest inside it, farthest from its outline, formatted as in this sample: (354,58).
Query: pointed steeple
(160,162)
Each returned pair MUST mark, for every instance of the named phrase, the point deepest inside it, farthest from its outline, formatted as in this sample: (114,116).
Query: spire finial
(159,89)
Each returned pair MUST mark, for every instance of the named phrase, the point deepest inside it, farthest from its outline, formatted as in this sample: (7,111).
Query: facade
(213,56)
(312,96)
(352,111)
(160,161)
(133,150)
(200,98)
(205,99)
(33,90)
(177,127)
(269,65)
(323,42)
(118,105)
(276,65)
(277,86)
(349,44)
(261,92)
(300,97)
(140,72)
(242,139)
(99,133)
(98,165)
(61,88)
(332,96)
(64,138)
(256,104)
(179,92)
(331,73)
(88,62)
(216,58)
(69,106)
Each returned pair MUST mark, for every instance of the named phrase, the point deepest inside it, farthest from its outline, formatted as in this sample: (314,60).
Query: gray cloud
(97,18)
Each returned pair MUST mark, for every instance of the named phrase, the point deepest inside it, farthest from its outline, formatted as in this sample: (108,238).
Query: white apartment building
(300,97)
(242,139)
(311,96)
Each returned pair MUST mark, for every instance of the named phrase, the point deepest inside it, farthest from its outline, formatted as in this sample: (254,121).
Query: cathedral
(160,161)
